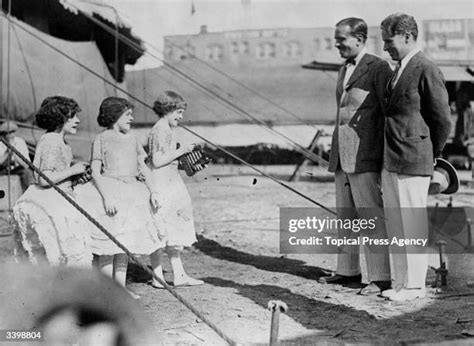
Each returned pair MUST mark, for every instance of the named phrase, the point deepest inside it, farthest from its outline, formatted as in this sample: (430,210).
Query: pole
(276,307)
(1,63)
(312,146)
(116,48)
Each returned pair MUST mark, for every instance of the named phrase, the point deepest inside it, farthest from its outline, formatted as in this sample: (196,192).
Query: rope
(120,245)
(265,174)
(184,127)
(27,68)
(263,97)
(302,150)
(9,158)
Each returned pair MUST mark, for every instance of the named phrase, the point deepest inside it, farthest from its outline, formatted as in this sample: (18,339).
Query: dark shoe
(340,279)
(375,287)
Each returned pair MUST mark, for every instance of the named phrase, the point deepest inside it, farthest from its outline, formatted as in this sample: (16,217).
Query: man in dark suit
(417,126)
(356,153)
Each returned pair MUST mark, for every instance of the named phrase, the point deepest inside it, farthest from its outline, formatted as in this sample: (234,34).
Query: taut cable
(120,245)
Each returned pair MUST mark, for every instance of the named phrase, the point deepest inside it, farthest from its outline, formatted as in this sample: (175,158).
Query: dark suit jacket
(418,118)
(358,146)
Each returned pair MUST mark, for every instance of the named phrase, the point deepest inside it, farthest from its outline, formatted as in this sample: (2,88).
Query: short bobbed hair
(111,109)
(167,102)
(55,111)
(358,26)
(400,24)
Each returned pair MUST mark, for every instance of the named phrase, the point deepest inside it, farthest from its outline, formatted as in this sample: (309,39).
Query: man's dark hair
(358,26)
(400,24)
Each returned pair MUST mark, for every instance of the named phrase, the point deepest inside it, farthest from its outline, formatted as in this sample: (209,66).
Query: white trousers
(404,198)
(354,191)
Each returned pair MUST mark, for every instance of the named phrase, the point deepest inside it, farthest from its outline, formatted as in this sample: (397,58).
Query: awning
(97,7)
(457,73)
(322,66)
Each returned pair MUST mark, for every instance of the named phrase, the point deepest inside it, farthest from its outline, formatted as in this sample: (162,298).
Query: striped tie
(393,80)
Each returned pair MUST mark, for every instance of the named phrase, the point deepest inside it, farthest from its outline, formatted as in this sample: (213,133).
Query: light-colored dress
(46,221)
(174,219)
(133,225)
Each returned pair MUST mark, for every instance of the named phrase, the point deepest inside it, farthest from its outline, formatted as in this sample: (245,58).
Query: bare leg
(120,270)
(174,253)
(106,265)
(156,259)
(180,276)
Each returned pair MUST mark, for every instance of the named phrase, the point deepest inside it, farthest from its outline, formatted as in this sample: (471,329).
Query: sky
(153,19)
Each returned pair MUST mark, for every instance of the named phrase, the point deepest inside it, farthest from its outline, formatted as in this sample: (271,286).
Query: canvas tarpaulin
(36,71)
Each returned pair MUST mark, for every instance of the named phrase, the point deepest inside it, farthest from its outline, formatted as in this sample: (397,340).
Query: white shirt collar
(357,59)
(408,57)
(359,56)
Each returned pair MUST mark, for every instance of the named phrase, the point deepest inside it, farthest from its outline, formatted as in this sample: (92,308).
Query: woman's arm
(162,152)
(97,159)
(145,171)
(52,162)
(161,159)
(58,177)
(110,205)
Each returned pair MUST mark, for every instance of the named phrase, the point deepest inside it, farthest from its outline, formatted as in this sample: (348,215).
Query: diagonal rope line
(27,68)
(263,173)
(184,127)
(235,80)
(120,245)
(9,158)
(302,150)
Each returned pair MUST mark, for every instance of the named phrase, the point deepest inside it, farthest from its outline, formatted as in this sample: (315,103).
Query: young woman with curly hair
(49,228)
(123,198)
(174,220)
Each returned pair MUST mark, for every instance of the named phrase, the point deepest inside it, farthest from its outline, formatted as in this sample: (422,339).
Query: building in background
(243,65)
(227,76)
(260,47)
(451,39)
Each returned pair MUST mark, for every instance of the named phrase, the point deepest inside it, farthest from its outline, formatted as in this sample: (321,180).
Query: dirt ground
(237,255)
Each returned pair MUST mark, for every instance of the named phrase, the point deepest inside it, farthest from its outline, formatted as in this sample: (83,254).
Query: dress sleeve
(141,153)
(51,158)
(159,142)
(97,149)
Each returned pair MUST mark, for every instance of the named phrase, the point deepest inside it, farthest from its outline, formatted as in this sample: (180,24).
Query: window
(329,44)
(214,52)
(234,48)
(169,52)
(266,50)
(181,54)
(239,47)
(292,49)
(316,44)
(244,47)
(190,50)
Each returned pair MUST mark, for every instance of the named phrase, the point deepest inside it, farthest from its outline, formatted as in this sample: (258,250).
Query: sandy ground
(237,255)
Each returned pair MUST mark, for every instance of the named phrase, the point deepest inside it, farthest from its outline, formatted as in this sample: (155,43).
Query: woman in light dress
(122,197)
(175,217)
(49,228)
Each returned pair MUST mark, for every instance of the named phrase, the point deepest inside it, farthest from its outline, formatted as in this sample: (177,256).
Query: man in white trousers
(417,126)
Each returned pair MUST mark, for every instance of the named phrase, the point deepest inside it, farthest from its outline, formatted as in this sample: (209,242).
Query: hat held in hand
(445,179)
